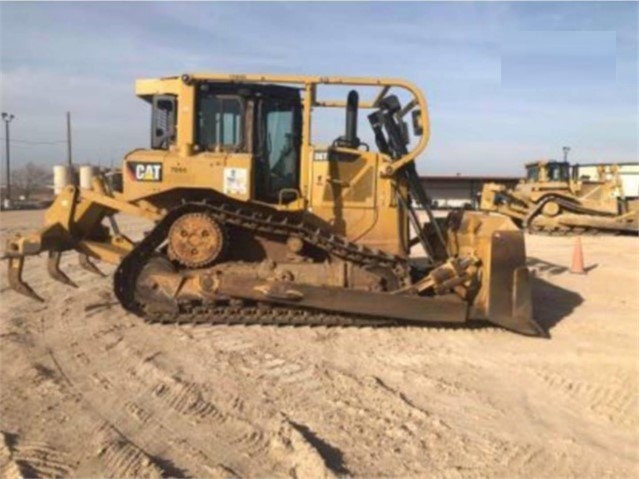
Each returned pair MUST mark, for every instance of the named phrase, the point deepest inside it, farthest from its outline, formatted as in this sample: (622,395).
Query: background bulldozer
(254,223)
(553,198)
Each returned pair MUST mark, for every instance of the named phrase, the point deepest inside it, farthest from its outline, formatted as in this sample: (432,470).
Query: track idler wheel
(551,209)
(196,240)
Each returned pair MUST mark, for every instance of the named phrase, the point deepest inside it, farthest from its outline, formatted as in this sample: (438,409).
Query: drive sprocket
(196,240)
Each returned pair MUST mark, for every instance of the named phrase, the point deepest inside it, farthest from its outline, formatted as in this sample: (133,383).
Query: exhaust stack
(350,139)
(351,118)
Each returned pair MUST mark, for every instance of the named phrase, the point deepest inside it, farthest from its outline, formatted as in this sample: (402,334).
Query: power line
(26,142)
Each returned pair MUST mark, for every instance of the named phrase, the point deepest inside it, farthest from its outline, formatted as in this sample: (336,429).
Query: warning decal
(235,181)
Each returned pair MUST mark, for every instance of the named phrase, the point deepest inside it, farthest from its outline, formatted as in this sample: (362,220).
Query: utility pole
(69,160)
(7,118)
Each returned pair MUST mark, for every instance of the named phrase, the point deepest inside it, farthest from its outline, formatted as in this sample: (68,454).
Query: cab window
(163,121)
(278,163)
(281,151)
(220,122)
(558,173)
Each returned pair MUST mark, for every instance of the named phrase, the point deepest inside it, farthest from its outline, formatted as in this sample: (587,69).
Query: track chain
(567,230)
(283,224)
(257,315)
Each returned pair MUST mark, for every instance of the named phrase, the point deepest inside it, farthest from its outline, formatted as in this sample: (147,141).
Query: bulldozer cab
(264,121)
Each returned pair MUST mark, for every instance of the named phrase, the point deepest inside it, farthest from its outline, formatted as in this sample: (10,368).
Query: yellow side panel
(148,172)
(348,194)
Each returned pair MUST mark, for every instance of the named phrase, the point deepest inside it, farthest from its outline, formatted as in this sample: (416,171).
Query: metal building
(461,191)
(629,173)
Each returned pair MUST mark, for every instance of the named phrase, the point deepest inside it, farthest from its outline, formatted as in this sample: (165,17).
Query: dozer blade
(88,265)
(510,292)
(53,267)
(16,264)
(505,294)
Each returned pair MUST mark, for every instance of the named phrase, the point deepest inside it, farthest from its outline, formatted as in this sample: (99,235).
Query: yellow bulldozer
(555,199)
(254,223)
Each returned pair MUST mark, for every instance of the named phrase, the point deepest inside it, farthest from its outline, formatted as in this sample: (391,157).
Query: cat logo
(140,171)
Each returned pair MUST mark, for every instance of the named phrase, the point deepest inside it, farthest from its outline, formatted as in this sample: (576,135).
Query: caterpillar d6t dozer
(253,223)
(554,199)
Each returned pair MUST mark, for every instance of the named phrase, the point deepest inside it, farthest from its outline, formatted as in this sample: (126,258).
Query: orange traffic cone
(577,266)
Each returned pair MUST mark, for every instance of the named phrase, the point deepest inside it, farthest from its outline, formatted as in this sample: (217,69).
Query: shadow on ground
(552,303)
(333,457)
(546,268)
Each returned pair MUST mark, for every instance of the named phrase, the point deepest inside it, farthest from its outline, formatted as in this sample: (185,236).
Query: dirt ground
(90,391)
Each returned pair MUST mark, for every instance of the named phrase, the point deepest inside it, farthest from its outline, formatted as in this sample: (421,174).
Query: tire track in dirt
(188,399)
(121,458)
(607,397)
(504,458)
(283,444)
(9,468)
(236,348)
(157,434)
(157,393)
(309,388)
(230,339)
(85,375)
(284,372)
(426,369)
(411,438)
(33,459)
(41,460)
(393,423)
(396,431)
(279,373)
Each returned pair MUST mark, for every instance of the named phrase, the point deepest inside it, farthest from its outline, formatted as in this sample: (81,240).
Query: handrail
(309,83)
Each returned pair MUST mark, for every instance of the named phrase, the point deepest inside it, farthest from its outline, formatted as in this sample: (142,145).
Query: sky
(506,83)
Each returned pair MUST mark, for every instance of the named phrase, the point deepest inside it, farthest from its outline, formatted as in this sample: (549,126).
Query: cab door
(277,154)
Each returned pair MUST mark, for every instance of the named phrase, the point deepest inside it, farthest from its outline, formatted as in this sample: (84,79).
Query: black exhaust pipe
(350,140)
(352,104)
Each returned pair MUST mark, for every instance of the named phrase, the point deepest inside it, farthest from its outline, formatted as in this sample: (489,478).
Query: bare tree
(30,178)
